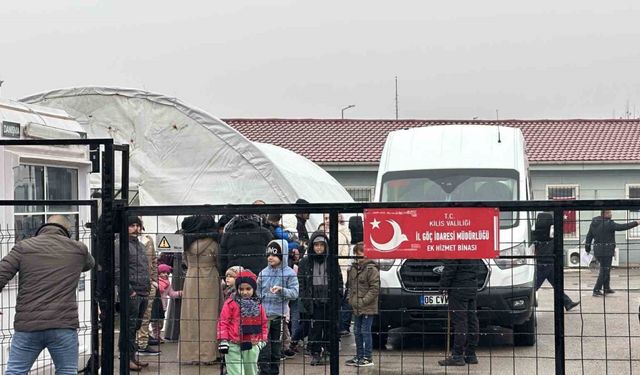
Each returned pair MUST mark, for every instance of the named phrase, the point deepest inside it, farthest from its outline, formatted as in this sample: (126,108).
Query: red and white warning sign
(432,233)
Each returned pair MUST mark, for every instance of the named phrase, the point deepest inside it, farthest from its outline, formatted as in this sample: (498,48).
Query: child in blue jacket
(277,285)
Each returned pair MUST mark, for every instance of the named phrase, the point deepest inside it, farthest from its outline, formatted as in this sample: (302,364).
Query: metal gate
(554,341)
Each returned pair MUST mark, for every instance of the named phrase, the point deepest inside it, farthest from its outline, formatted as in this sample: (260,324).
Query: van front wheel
(525,334)
(379,333)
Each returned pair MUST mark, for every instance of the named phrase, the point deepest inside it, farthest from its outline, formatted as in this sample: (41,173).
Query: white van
(457,163)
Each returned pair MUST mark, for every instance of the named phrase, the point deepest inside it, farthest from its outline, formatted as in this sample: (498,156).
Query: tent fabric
(182,155)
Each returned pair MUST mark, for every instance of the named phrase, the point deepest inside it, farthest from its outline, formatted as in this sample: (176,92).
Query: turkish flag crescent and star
(432,233)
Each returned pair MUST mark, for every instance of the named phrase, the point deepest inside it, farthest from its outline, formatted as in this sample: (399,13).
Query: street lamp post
(345,108)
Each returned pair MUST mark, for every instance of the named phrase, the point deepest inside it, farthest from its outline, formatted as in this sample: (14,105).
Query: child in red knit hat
(242,328)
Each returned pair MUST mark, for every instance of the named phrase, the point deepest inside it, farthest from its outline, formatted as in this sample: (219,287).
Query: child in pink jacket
(166,292)
(242,328)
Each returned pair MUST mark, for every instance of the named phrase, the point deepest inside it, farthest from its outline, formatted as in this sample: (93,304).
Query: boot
(317,359)
(571,305)
(141,364)
(134,367)
(453,360)
(471,358)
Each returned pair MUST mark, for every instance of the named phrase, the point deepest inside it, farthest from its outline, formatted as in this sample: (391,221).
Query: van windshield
(453,185)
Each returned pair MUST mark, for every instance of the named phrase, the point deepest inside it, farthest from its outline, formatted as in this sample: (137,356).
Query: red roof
(327,141)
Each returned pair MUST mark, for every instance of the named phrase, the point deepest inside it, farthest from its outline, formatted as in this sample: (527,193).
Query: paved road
(594,345)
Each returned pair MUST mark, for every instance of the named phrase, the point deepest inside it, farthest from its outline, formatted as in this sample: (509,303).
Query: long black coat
(244,244)
(305,276)
(602,232)
(542,238)
(460,277)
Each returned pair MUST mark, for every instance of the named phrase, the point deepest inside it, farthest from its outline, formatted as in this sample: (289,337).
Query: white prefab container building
(41,172)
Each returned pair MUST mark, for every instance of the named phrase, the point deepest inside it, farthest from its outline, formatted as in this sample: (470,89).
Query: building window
(633,192)
(36,182)
(566,192)
(361,193)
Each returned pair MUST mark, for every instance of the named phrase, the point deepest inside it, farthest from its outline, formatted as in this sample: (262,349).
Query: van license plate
(434,300)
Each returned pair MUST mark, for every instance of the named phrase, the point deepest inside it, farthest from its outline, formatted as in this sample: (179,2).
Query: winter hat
(275,248)
(199,224)
(320,239)
(246,277)
(224,220)
(134,220)
(164,268)
(234,270)
(301,201)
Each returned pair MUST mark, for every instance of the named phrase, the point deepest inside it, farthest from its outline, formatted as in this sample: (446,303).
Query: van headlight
(386,264)
(518,250)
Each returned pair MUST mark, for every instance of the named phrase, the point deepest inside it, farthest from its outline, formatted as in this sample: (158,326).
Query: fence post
(124,293)
(107,217)
(334,293)
(558,289)
(95,329)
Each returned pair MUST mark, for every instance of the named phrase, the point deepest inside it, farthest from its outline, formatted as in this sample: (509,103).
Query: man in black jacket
(137,290)
(602,232)
(460,280)
(544,253)
(243,244)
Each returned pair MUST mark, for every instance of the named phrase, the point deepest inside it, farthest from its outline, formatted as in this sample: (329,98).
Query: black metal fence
(27,211)
(521,329)
(88,331)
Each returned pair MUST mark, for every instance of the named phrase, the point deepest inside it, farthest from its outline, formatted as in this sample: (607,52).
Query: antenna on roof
(498,119)
(396,98)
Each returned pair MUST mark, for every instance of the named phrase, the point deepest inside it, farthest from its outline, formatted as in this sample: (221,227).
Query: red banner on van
(432,233)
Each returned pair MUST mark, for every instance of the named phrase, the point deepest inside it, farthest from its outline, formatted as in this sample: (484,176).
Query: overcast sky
(286,58)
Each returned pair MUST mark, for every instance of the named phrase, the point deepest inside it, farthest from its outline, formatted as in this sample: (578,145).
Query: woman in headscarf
(201,295)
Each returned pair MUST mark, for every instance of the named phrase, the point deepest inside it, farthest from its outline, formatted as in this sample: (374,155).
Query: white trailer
(41,173)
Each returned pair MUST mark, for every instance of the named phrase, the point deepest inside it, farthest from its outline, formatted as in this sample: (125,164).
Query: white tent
(183,155)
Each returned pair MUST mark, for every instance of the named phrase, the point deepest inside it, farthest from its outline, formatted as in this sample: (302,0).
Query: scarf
(250,324)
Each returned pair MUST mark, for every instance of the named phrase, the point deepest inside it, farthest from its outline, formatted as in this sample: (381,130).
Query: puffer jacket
(602,232)
(277,304)
(363,287)
(231,322)
(243,244)
(542,239)
(305,276)
(139,279)
(460,277)
(49,267)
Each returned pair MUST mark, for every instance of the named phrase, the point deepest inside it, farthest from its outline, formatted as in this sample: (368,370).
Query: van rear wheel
(525,334)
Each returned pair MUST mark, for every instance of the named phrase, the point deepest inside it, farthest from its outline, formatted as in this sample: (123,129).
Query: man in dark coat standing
(460,280)
(137,291)
(602,232)
(544,253)
(243,244)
